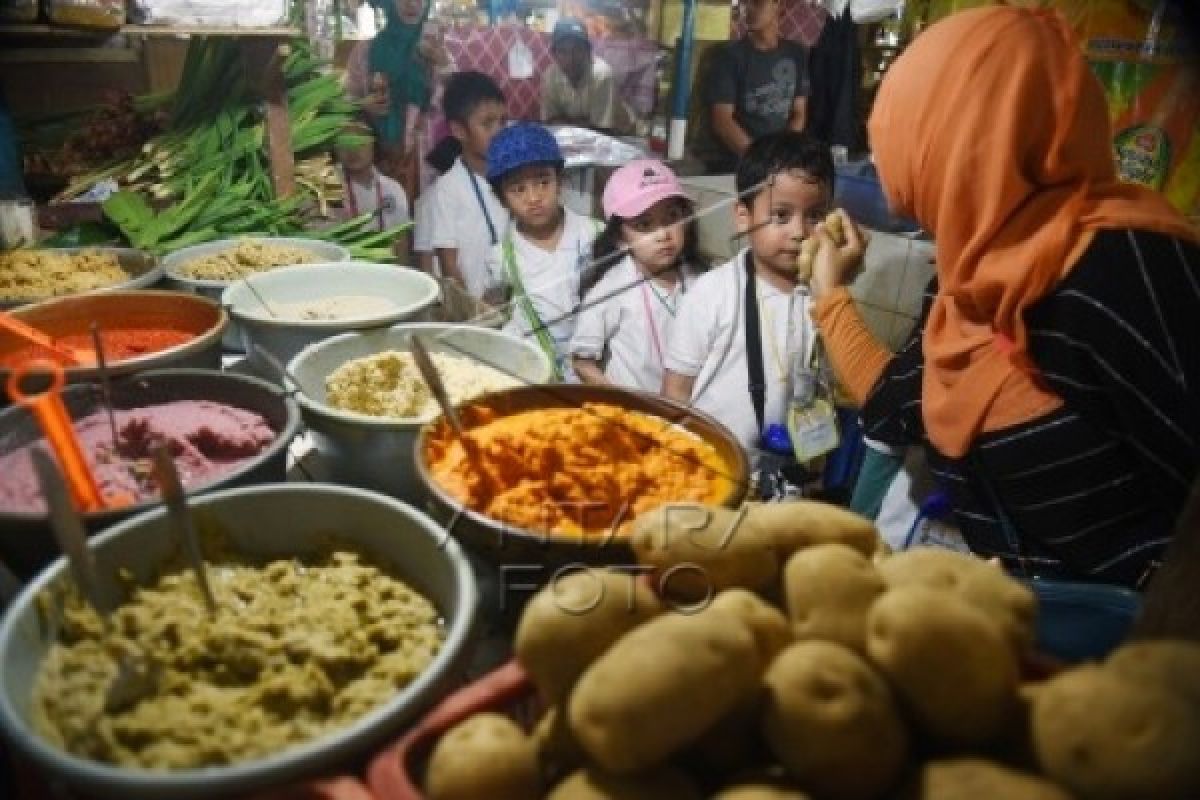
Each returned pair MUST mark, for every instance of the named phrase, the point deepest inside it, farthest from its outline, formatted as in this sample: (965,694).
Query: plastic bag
(100,14)
(520,62)
(866,11)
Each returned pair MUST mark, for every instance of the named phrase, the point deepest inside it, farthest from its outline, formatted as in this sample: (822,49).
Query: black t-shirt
(761,85)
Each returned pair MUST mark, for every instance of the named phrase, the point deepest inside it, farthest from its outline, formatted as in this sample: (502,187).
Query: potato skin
(977,779)
(663,783)
(1009,603)
(571,621)
(828,589)
(701,550)
(767,623)
(662,686)
(1109,738)
(955,673)
(804,523)
(760,791)
(1173,665)
(832,722)
(484,756)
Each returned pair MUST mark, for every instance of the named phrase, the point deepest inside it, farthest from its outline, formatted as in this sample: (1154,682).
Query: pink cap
(637,186)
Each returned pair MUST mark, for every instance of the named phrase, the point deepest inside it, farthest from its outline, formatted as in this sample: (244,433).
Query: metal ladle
(180,519)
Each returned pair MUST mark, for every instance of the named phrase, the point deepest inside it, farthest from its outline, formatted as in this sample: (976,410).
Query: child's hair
(609,247)
(774,153)
(465,92)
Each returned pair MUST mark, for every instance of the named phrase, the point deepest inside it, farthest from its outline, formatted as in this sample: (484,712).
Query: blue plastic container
(1082,621)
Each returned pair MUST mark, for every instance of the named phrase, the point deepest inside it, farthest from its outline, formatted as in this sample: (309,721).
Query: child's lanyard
(352,202)
(654,335)
(482,205)
(545,341)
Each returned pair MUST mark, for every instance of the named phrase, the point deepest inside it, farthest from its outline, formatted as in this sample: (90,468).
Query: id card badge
(812,418)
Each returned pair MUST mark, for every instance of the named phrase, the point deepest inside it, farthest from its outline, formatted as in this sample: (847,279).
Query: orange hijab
(991,131)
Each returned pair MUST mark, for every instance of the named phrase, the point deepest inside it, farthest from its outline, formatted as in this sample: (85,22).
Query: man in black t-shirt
(755,85)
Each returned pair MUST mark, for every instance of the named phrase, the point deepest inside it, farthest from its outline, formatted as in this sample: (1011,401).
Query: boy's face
(760,14)
(531,195)
(574,58)
(656,237)
(482,124)
(786,211)
(357,159)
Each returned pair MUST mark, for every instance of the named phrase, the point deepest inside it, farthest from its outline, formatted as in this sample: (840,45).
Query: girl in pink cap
(642,264)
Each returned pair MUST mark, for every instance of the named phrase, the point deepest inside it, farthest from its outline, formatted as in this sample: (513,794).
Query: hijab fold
(393,52)
(992,132)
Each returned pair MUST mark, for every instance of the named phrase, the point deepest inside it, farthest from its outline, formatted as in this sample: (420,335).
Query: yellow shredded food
(577,471)
(34,274)
(296,650)
(246,258)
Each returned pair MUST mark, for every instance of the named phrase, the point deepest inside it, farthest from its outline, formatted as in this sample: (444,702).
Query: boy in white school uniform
(466,219)
(750,316)
(545,248)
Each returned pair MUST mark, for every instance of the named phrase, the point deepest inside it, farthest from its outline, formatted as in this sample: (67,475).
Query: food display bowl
(199,316)
(143,268)
(519,548)
(26,542)
(412,292)
(323,252)
(269,521)
(374,452)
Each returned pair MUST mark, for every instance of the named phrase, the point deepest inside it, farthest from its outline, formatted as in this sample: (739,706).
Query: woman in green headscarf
(392,75)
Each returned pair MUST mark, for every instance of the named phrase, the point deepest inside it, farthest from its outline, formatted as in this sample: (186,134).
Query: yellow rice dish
(27,275)
(246,258)
(296,650)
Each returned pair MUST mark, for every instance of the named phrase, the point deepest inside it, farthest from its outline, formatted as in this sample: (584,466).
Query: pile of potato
(783,655)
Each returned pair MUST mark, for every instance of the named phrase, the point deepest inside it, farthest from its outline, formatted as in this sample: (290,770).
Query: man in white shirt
(579,88)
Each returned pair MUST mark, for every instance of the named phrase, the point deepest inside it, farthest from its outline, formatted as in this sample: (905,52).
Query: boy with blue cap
(545,246)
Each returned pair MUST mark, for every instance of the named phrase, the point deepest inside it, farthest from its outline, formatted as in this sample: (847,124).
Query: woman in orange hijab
(1056,378)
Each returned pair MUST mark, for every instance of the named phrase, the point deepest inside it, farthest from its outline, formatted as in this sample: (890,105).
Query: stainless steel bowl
(198,315)
(375,452)
(273,521)
(536,554)
(144,271)
(323,252)
(26,543)
(410,291)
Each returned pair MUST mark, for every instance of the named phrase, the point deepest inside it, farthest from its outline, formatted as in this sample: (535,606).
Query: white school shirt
(707,341)
(361,199)
(460,223)
(613,325)
(551,280)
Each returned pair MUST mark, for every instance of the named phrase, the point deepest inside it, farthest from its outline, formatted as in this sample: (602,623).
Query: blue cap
(522,145)
(569,28)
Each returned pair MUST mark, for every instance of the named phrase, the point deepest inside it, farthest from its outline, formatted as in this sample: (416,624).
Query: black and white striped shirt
(1091,490)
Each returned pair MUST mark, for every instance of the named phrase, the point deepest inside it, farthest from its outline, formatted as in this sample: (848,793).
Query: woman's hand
(378,102)
(837,263)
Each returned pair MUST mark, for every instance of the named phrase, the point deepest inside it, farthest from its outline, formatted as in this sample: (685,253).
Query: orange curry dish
(576,471)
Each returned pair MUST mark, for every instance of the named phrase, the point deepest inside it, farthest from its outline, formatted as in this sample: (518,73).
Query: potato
(984,585)
(485,756)
(663,783)
(803,523)
(710,549)
(571,621)
(767,623)
(954,671)
(760,791)
(976,779)
(558,750)
(833,224)
(661,686)
(1110,738)
(828,589)
(1171,665)
(832,722)
(805,260)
